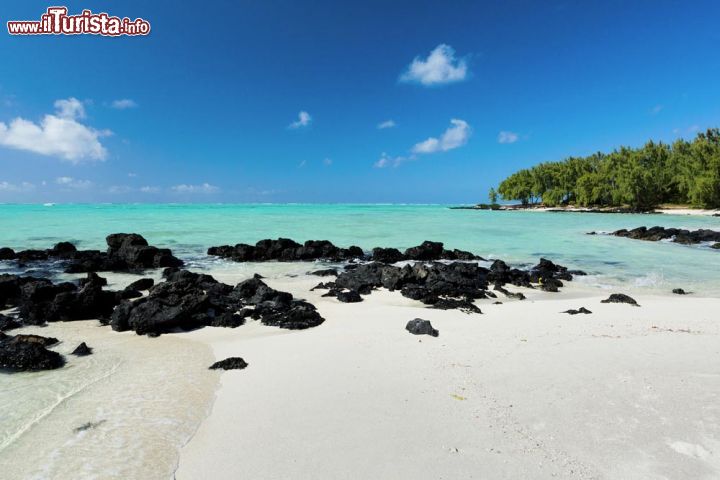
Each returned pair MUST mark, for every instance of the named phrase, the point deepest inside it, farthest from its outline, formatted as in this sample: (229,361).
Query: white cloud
(16,188)
(302,164)
(132,174)
(57,135)
(507,137)
(202,188)
(455,136)
(149,189)
(123,104)
(439,68)
(73,183)
(327,162)
(386,160)
(387,124)
(303,120)
(70,108)
(657,109)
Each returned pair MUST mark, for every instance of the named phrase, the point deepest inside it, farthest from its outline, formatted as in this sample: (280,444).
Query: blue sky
(207,107)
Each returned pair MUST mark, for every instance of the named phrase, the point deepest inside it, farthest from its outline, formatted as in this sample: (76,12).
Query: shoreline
(492,394)
(608,210)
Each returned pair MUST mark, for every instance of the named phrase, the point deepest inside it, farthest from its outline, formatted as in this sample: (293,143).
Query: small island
(655,177)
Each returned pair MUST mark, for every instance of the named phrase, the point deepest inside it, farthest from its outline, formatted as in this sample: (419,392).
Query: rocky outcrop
(126,252)
(620,298)
(327,272)
(445,285)
(387,255)
(677,235)
(351,296)
(577,311)
(82,350)
(285,250)
(8,323)
(509,294)
(28,353)
(419,326)
(231,363)
(189,300)
(40,301)
(679,291)
(142,284)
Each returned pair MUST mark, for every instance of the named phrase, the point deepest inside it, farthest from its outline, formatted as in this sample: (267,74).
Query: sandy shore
(522,391)
(666,211)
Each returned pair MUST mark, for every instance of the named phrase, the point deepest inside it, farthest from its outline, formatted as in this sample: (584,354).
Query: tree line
(684,172)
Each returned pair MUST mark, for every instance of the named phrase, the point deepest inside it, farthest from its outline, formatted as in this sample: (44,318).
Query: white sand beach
(522,391)
(703,212)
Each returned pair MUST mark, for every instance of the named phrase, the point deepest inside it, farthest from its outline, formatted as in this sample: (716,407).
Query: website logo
(56,21)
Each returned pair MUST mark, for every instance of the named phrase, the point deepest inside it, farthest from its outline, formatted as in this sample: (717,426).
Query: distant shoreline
(682,210)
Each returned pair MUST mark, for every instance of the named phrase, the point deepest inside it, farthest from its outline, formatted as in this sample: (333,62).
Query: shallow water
(517,237)
(122,412)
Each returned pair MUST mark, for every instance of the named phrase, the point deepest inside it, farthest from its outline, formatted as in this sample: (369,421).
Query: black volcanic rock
(509,294)
(228,320)
(231,363)
(419,326)
(30,338)
(447,285)
(550,284)
(577,311)
(285,250)
(28,353)
(328,272)
(462,255)
(82,350)
(41,301)
(8,323)
(425,251)
(62,250)
(126,252)
(189,300)
(387,255)
(463,304)
(677,235)
(142,284)
(128,293)
(93,277)
(679,291)
(351,296)
(620,298)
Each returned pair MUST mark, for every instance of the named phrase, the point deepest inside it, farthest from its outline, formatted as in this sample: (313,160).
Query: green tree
(640,178)
(492,196)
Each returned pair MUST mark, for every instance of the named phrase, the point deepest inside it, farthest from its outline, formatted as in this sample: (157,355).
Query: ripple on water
(122,412)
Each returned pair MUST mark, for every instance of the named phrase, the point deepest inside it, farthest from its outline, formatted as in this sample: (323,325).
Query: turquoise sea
(517,237)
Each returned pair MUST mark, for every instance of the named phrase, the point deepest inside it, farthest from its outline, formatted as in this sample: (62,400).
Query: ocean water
(519,238)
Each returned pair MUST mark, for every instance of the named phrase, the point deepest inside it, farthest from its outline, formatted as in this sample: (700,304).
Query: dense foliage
(686,172)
